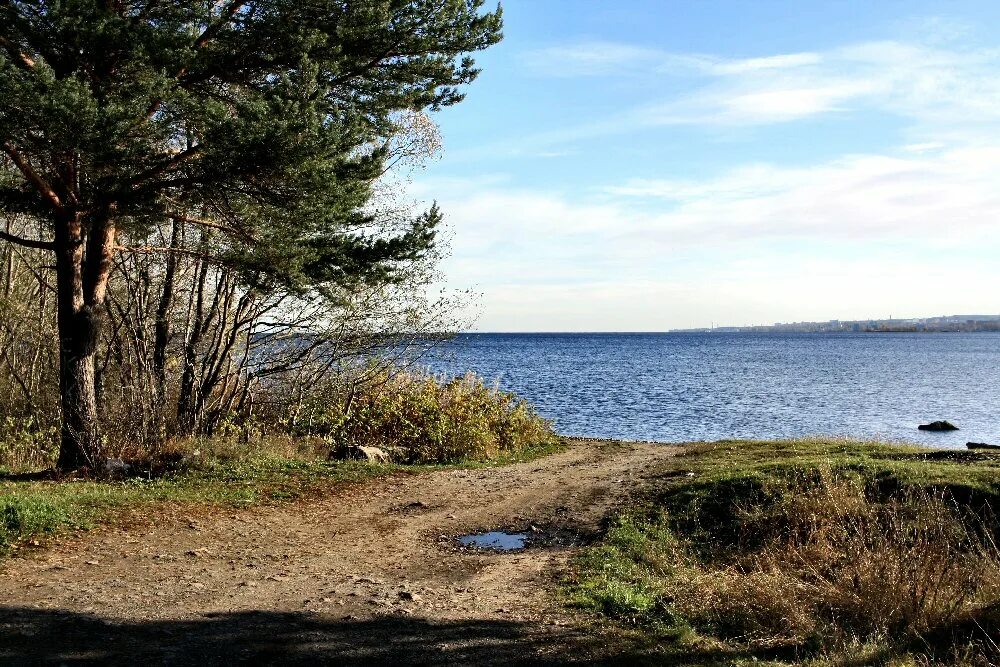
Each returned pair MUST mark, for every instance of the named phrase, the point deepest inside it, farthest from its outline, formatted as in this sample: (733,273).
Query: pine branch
(26,61)
(224,18)
(176,160)
(203,39)
(37,181)
(180,217)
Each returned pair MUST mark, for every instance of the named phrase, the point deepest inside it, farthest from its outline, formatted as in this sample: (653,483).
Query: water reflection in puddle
(496,541)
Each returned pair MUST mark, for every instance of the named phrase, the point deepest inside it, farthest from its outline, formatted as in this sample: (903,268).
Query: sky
(645,165)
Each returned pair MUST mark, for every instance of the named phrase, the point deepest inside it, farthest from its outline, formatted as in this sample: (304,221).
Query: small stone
(92,562)
(408,595)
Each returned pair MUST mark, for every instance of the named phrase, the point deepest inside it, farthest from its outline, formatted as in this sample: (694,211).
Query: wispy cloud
(768,63)
(929,85)
(592,58)
(603,58)
(863,236)
(927,202)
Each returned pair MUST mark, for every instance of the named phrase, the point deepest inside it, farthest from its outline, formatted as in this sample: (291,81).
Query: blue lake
(683,387)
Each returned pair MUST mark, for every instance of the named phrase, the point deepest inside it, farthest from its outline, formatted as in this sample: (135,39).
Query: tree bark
(188,403)
(162,324)
(83,266)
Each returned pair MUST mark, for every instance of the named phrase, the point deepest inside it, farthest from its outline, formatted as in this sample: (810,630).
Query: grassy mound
(828,552)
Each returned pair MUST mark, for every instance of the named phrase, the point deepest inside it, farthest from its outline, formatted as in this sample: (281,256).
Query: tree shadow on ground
(32,636)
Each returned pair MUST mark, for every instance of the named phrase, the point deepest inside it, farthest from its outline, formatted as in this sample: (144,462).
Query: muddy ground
(369,574)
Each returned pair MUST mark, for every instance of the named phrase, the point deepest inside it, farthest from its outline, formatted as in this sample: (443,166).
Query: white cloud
(759,292)
(910,232)
(593,58)
(927,84)
(790,103)
(782,61)
(943,198)
(604,58)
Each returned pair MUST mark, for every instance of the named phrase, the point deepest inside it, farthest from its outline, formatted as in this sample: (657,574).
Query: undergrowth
(422,423)
(419,419)
(808,551)
(414,418)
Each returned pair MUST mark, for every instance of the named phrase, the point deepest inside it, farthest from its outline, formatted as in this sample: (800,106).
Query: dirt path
(371,574)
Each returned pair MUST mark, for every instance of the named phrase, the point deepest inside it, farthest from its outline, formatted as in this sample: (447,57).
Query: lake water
(683,387)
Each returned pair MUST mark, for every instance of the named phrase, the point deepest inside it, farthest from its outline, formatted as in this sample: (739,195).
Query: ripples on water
(682,387)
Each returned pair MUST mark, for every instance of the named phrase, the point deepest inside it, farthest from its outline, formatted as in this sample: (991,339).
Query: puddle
(497,541)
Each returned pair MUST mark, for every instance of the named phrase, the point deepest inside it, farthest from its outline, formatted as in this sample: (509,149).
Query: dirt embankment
(371,574)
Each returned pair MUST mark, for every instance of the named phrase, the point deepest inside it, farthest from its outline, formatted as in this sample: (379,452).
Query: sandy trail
(370,574)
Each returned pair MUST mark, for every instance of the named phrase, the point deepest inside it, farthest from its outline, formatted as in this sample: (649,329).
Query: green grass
(806,551)
(36,510)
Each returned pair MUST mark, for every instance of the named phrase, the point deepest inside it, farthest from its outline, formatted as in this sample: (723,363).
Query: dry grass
(832,561)
(837,566)
(26,445)
(418,419)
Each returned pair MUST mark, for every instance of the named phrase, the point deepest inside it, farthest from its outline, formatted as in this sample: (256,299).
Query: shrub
(418,419)
(24,444)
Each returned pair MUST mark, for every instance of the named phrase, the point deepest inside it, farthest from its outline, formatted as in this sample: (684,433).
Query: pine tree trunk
(83,266)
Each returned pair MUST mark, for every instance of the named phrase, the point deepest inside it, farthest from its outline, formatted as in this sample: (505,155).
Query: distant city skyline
(649,165)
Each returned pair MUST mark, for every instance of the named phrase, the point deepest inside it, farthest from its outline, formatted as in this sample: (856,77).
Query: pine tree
(263,122)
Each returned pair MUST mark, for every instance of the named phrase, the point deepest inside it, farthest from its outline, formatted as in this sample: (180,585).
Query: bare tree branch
(155,249)
(27,243)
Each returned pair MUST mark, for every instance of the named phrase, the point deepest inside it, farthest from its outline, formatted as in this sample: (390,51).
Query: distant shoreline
(715,331)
